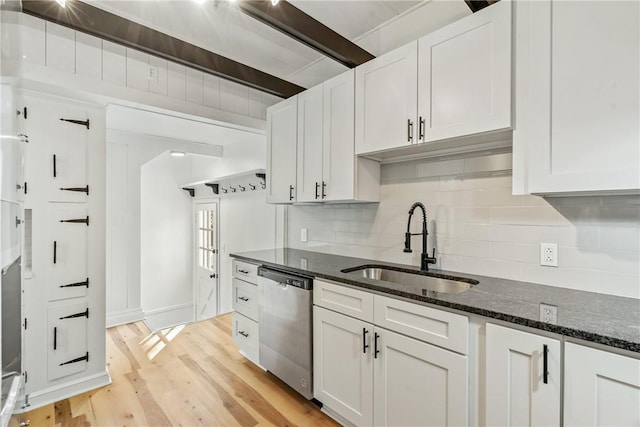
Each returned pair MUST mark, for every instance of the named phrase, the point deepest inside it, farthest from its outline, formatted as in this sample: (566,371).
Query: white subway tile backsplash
(478,226)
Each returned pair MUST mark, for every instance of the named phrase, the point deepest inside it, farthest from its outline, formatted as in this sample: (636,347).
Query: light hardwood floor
(185,376)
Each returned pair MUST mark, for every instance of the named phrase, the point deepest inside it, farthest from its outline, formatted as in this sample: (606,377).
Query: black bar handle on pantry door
(55,251)
(317,188)
(55,337)
(421,124)
(365,346)
(375,345)
(291,192)
(324,187)
(545,363)
(55,173)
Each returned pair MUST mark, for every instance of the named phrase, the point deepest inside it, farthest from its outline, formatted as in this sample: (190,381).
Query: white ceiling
(218,26)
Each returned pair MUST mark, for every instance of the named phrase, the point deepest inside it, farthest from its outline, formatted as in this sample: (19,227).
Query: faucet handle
(407,243)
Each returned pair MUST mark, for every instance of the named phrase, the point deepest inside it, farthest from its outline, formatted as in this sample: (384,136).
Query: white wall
(478,226)
(166,237)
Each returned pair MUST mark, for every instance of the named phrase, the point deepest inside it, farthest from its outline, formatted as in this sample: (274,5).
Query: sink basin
(429,282)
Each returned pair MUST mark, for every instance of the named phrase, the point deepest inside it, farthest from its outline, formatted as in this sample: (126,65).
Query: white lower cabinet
(368,375)
(343,366)
(600,388)
(245,335)
(418,384)
(518,391)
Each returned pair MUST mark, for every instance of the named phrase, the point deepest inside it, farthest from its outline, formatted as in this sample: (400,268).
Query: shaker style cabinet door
(338,155)
(386,100)
(66,251)
(464,76)
(600,388)
(577,97)
(67,343)
(518,391)
(281,151)
(343,365)
(417,384)
(309,174)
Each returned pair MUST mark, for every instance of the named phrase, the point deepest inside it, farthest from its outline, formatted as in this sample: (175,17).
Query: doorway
(206,260)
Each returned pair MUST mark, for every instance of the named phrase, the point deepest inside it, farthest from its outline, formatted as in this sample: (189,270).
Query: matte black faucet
(425,259)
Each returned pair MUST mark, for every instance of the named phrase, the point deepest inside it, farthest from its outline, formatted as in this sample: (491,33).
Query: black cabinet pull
(244,334)
(81,314)
(55,251)
(77,221)
(77,122)
(55,173)
(212,276)
(291,192)
(324,187)
(409,130)
(55,337)
(317,188)
(545,367)
(243,271)
(76,284)
(375,345)
(77,189)
(421,126)
(245,299)
(79,359)
(365,346)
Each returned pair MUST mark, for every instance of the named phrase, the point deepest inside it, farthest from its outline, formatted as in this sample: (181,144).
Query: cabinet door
(66,257)
(386,100)
(67,343)
(281,151)
(418,384)
(464,76)
(516,391)
(579,104)
(309,176)
(342,365)
(338,153)
(12,181)
(57,150)
(600,388)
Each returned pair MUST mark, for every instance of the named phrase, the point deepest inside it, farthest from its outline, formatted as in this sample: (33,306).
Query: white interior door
(206,260)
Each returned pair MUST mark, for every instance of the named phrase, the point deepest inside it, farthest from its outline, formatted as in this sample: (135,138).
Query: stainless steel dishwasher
(285,328)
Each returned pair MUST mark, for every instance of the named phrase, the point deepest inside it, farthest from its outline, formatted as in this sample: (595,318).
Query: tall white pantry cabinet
(64,249)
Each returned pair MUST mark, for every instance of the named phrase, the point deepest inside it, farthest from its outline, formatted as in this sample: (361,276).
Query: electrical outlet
(549,254)
(303,234)
(549,313)
(153,73)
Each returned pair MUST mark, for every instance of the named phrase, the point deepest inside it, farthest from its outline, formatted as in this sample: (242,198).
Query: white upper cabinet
(281,151)
(325,168)
(464,76)
(600,388)
(577,97)
(518,390)
(386,100)
(309,174)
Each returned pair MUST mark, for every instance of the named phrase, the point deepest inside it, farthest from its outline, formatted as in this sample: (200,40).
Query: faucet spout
(425,259)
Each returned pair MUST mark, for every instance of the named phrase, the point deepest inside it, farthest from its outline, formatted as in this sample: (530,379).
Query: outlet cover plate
(303,235)
(549,313)
(549,254)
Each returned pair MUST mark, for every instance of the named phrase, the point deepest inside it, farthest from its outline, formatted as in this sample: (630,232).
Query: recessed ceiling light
(275,2)
(177,153)
(200,1)
(62,2)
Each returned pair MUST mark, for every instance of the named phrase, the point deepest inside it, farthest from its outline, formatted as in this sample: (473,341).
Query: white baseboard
(125,316)
(63,391)
(168,317)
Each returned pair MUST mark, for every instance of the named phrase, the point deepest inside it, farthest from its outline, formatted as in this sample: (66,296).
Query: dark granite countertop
(605,319)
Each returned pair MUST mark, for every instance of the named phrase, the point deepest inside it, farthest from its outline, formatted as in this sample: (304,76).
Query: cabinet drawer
(352,302)
(245,298)
(245,271)
(427,324)
(245,335)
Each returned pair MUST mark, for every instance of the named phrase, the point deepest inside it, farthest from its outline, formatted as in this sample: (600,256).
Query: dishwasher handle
(286,278)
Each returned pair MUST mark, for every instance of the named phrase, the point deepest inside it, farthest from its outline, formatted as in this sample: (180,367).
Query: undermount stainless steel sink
(426,280)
